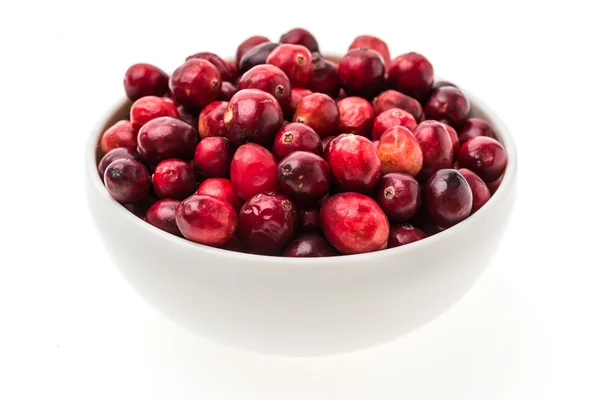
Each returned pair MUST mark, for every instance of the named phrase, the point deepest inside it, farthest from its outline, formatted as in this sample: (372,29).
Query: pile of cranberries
(285,152)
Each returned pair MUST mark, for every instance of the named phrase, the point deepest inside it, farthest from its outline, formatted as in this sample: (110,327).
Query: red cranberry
(120,153)
(228,89)
(206,219)
(308,219)
(296,137)
(448,104)
(187,117)
(411,74)
(256,56)
(167,137)
(453,139)
(390,118)
(475,127)
(353,223)
(362,73)
(404,234)
(253,171)
(354,163)
(325,77)
(196,84)
(301,37)
(372,43)
(297,94)
(223,189)
(270,79)
(210,121)
(481,193)
(121,134)
(318,111)
(295,61)
(484,156)
(448,197)
(399,196)
(213,157)
(304,177)
(127,181)
(394,99)
(148,108)
(174,179)
(493,186)
(162,215)
(309,245)
(356,116)
(248,44)
(140,208)
(267,222)
(252,115)
(399,151)
(145,80)
(227,71)
(325,142)
(436,145)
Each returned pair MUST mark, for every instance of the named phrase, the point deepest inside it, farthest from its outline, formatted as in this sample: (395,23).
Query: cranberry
(121,134)
(394,99)
(296,137)
(304,177)
(248,44)
(206,219)
(356,116)
(411,74)
(187,117)
(493,186)
(174,179)
(440,84)
(404,234)
(120,153)
(375,144)
(481,193)
(270,79)
(308,219)
(234,244)
(196,84)
(210,121)
(295,61)
(148,108)
(145,80)
(325,77)
(399,196)
(267,222)
(390,118)
(362,73)
(127,181)
(448,197)
(318,111)
(167,137)
(223,189)
(213,157)
(301,37)
(256,56)
(399,151)
(309,245)
(453,139)
(325,142)
(227,71)
(484,156)
(372,43)
(475,127)
(252,115)
(297,94)
(140,208)
(353,223)
(162,215)
(253,171)
(448,104)
(436,145)
(228,89)
(354,163)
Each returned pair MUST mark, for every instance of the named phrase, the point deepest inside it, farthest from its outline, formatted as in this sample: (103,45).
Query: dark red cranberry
(187,117)
(145,80)
(484,156)
(399,151)
(267,222)
(295,61)
(394,99)
(253,171)
(223,189)
(210,121)
(324,77)
(372,43)
(248,44)
(404,234)
(411,74)
(148,108)
(448,104)
(270,79)
(140,208)
(296,137)
(174,179)
(162,215)
(399,196)
(362,73)
(127,181)
(436,145)
(308,219)
(195,84)
(234,244)
(120,153)
(448,197)
(167,137)
(301,37)
(453,139)
(481,193)
(227,72)
(493,186)
(354,164)
(325,142)
(440,84)
(475,127)
(356,116)
(252,115)
(309,245)
(206,219)
(304,177)
(353,223)
(228,89)
(121,134)
(318,111)
(390,118)
(256,56)
(213,157)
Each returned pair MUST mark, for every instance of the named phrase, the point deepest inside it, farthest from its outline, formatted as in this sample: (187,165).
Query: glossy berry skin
(195,84)
(121,134)
(324,77)
(120,153)
(448,104)
(253,171)
(353,223)
(213,157)
(411,74)
(252,115)
(401,235)
(399,151)
(148,108)
(436,145)
(174,179)
(304,177)
(394,99)
(309,245)
(267,223)
(318,111)
(300,37)
(223,189)
(248,44)
(210,121)
(398,195)
(362,73)
(475,127)
(145,80)
(228,89)
(227,71)
(295,61)
(453,139)
(390,118)
(297,94)
(256,56)
(356,116)
(127,181)
(448,197)
(270,79)
(167,137)
(372,43)
(484,156)
(481,193)
(296,137)
(162,215)
(308,219)
(354,164)
(206,220)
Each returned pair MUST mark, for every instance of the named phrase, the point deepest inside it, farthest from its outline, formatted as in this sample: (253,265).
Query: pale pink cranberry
(206,220)
(401,235)
(356,116)
(210,121)
(174,179)
(121,134)
(475,127)
(304,177)
(252,115)
(448,197)
(372,43)
(390,118)
(295,61)
(484,156)
(399,151)
(300,37)
(436,145)
(448,104)
(195,84)
(296,137)
(411,74)
(167,137)
(270,79)
(362,73)
(248,44)
(481,193)
(221,188)
(162,215)
(354,164)
(127,181)
(394,99)
(309,245)
(253,171)
(145,80)
(318,111)
(213,157)
(148,108)
(398,195)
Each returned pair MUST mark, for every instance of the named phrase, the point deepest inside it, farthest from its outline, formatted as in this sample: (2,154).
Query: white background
(71,328)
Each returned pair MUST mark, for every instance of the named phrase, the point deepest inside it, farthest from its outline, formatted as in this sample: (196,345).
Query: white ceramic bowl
(292,306)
